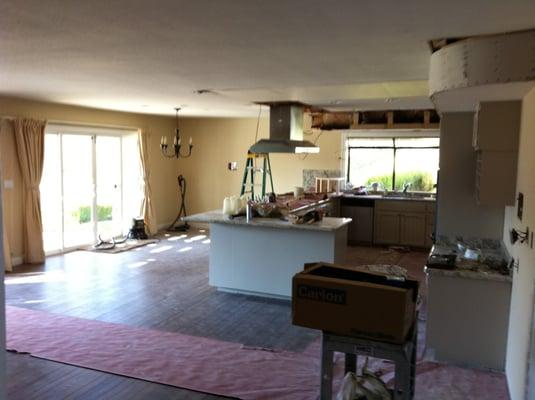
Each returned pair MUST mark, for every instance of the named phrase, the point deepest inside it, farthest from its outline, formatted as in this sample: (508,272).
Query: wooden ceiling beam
(390,119)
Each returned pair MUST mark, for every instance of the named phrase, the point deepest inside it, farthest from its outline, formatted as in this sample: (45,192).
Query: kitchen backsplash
(309,176)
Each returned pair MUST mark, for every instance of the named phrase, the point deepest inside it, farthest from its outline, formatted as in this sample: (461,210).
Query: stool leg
(413,370)
(351,363)
(326,385)
(402,383)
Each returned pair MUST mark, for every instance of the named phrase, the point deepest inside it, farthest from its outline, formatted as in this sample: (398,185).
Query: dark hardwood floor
(162,286)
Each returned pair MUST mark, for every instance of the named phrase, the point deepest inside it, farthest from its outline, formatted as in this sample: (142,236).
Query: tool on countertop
(441,261)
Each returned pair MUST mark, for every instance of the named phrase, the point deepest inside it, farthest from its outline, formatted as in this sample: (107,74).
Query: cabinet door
(360,230)
(412,229)
(429,229)
(364,228)
(386,227)
(347,212)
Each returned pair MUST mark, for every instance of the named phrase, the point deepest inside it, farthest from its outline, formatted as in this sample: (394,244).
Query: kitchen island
(261,256)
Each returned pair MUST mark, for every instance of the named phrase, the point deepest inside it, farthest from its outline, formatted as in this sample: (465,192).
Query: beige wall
(164,171)
(221,140)
(217,141)
(458,212)
(520,321)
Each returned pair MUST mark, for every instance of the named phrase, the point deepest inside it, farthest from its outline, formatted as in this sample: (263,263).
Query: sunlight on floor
(172,239)
(207,241)
(184,249)
(48,277)
(137,264)
(161,249)
(195,238)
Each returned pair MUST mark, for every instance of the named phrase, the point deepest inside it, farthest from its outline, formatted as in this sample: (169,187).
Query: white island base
(262,256)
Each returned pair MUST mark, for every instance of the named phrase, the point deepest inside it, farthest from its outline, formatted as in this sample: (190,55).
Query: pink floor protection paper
(214,366)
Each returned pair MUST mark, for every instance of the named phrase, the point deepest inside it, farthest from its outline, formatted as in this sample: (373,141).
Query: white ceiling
(136,55)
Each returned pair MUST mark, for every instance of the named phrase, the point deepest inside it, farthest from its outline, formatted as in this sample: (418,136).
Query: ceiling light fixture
(177,143)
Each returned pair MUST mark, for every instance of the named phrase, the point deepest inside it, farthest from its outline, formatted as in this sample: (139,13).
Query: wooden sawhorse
(403,355)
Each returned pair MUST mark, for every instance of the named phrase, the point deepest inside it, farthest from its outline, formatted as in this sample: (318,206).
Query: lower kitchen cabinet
(412,229)
(387,224)
(407,223)
(360,230)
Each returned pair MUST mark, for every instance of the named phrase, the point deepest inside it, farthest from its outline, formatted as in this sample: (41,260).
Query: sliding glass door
(108,186)
(82,194)
(78,189)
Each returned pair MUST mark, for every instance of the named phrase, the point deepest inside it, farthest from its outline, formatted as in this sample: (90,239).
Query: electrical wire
(315,142)
(257,124)
(256,134)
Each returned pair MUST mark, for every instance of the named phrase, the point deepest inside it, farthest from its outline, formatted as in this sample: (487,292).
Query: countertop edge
(217,217)
(465,274)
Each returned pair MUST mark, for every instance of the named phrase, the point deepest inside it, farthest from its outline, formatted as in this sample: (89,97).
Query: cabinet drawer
(401,205)
(431,207)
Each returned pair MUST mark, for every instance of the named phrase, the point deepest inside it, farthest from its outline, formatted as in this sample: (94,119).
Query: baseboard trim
(196,225)
(16,261)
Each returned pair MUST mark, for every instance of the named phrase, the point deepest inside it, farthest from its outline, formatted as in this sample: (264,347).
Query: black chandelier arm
(177,145)
(176,151)
(185,155)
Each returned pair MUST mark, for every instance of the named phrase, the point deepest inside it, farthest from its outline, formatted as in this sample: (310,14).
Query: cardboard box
(349,302)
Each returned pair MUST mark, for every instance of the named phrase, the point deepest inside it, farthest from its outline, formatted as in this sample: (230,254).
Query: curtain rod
(81,124)
(95,125)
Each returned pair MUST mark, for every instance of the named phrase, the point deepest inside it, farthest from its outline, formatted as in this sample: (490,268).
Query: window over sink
(393,163)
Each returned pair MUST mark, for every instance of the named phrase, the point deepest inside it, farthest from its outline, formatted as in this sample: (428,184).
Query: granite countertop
(483,273)
(328,224)
(487,268)
(387,198)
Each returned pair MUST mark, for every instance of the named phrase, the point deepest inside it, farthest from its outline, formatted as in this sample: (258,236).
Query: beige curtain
(8,266)
(6,252)
(30,139)
(147,208)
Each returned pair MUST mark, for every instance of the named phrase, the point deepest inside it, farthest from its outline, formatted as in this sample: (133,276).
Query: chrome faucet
(406,186)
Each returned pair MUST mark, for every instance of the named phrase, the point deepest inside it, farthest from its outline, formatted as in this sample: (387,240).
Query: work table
(328,224)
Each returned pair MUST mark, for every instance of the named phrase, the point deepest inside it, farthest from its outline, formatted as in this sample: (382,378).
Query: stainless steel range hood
(285,131)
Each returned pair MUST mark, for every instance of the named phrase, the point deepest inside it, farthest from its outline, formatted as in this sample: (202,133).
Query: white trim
(89,129)
(379,133)
(93,132)
(163,227)
(16,261)
(390,133)
(196,225)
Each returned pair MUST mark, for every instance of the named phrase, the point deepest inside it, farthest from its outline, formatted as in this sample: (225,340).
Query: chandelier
(177,143)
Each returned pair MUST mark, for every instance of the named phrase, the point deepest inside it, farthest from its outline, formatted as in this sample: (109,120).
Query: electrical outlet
(8,184)
(232,166)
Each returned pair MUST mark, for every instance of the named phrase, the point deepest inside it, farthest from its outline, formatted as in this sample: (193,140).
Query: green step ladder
(249,183)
